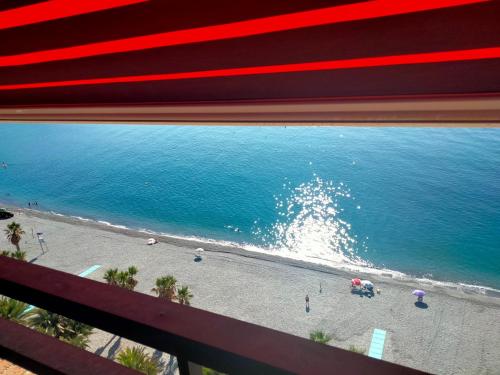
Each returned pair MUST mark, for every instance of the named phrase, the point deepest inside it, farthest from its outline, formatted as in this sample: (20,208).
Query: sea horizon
(421,203)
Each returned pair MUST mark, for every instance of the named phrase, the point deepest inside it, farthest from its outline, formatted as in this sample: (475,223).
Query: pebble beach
(455,332)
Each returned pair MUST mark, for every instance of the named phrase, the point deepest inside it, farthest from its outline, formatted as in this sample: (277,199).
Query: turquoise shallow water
(425,202)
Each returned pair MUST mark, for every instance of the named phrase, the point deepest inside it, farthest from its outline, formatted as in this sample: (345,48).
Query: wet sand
(455,332)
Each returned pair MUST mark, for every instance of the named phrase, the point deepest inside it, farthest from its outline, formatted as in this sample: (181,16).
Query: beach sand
(457,333)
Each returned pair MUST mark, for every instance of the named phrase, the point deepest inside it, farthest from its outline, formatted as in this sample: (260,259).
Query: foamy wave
(147,231)
(208,241)
(108,224)
(448,284)
(342,264)
(81,218)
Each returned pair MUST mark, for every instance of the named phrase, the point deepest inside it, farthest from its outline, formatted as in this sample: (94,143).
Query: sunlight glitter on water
(310,224)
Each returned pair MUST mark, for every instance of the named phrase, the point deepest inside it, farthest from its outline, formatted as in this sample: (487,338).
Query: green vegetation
(209,371)
(124,279)
(135,358)
(61,327)
(131,282)
(14,233)
(111,276)
(320,337)
(357,349)
(15,311)
(184,295)
(18,254)
(165,287)
(46,322)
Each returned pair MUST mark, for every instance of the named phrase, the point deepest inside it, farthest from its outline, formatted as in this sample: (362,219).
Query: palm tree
(111,276)
(76,333)
(14,310)
(165,287)
(14,233)
(61,327)
(136,359)
(131,282)
(47,322)
(125,279)
(19,255)
(320,337)
(122,278)
(184,295)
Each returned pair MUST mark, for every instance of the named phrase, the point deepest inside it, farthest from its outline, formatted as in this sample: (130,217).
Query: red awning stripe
(56,9)
(368,62)
(318,17)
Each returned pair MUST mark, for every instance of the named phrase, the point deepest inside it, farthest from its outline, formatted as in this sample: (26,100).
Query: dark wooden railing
(194,336)
(43,354)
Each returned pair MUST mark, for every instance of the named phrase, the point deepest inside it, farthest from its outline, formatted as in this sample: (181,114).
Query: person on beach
(307,302)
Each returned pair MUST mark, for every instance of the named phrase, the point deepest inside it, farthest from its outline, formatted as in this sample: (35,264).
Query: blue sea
(424,202)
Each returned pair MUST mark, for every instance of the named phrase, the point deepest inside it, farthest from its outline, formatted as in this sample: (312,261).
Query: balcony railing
(194,336)
(43,354)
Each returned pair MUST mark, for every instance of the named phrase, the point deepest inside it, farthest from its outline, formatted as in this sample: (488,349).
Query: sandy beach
(457,333)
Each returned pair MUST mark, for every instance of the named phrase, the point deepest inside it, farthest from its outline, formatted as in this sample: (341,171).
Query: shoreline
(209,245)
(450,333)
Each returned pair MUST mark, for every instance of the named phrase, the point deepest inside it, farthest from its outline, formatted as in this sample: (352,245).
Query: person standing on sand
(307,302)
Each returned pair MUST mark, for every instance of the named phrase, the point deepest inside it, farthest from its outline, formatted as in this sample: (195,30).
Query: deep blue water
(422,201)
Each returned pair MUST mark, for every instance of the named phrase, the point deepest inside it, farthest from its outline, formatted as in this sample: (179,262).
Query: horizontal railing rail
(193,335)
(43,354)
(430,110)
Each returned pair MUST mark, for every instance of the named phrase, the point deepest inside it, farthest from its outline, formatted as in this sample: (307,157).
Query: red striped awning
(65,52)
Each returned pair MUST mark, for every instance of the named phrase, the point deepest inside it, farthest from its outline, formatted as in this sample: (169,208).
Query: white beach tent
(198,253)
(152,241)
(367,284)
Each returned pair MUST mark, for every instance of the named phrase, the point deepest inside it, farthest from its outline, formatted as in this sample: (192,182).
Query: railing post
(188,368)
(183,365)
